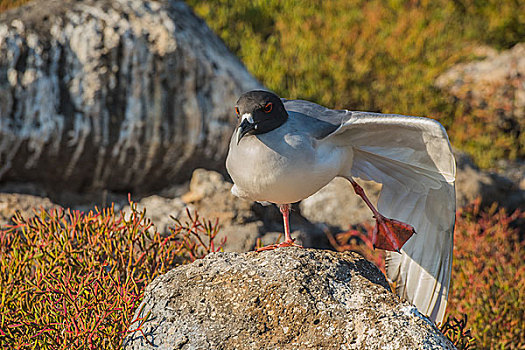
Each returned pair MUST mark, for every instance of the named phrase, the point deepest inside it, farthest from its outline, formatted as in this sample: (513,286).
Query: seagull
(283,151)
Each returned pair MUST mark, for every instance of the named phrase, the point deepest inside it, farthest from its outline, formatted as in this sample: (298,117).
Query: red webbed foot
(280,245)
(390,234)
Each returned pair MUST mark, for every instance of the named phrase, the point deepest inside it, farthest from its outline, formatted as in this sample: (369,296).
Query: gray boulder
(125,95)
(492,95)
(288,298)
(505,188)
(496,82)
(337,206)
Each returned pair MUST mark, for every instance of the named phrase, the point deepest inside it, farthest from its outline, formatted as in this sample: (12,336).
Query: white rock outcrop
(114,94)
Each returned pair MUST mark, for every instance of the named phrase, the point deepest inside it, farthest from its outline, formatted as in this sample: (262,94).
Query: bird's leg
(285,210)
(288,240)
(388,234)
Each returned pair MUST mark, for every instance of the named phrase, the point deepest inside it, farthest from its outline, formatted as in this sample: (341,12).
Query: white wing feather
(413,160)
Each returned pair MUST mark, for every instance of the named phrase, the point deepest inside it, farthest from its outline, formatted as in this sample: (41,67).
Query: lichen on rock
(288,298)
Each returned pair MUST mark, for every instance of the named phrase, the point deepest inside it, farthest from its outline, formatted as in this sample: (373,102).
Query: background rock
(287,299)
(505,188)
(26,204)
(117,95)
(337,205)
(490,100)
(497,81)
(242,222)
(335,208)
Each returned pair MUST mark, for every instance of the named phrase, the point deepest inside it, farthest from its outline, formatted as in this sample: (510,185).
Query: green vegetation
(74,280)
(8,4)
(379,55)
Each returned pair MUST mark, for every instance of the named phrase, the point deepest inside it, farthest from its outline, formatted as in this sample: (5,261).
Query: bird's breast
(281,168)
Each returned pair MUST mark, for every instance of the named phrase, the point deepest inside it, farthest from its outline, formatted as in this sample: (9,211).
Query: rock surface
(492,95)
(26,204)
(284,299)
(125,95)
(498,81)
(506,188)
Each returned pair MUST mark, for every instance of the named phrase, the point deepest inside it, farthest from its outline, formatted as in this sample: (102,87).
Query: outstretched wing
(413,160)
(313,110)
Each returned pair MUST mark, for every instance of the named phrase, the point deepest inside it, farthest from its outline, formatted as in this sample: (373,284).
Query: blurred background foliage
(7,4)
(379,55)
(488,283)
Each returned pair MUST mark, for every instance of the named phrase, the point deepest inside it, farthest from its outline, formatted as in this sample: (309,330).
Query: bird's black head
(259,112)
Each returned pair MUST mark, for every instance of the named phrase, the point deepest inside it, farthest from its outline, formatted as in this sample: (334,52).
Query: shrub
(73,280)
(457,331)
(8,4)
(488,277)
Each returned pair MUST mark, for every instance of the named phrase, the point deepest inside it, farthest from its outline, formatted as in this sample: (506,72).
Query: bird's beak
(244,128)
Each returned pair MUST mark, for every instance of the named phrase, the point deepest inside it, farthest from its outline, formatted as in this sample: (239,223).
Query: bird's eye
(268,107)
(237,111)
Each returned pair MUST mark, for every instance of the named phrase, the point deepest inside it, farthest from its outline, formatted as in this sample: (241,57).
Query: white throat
(248,117)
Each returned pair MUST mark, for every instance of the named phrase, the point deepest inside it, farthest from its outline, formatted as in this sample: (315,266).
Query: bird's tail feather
(421,271)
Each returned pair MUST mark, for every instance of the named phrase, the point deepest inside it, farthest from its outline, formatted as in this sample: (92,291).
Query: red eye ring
(268,107)
(237,111)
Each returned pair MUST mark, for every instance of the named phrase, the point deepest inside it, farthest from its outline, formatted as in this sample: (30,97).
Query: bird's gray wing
(413,160)
(323,121)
